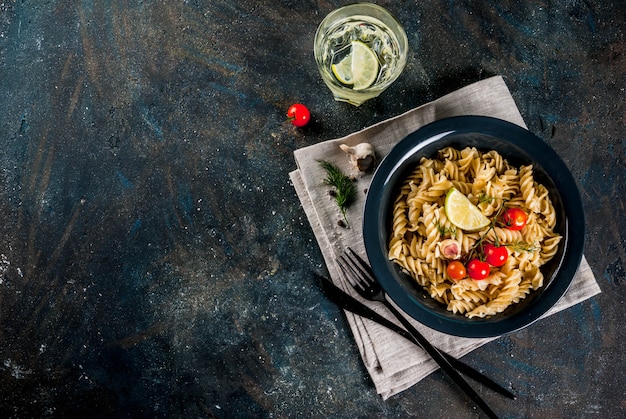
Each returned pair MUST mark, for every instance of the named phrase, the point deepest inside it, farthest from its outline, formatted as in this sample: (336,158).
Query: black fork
(360,276)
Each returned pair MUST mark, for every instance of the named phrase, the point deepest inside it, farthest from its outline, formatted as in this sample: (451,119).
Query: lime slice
(343,70)
(364,66)
(462,213)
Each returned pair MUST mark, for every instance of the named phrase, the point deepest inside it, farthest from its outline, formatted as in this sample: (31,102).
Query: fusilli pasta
(419,224)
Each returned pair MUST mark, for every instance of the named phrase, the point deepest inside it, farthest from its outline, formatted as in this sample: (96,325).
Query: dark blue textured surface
(155,260)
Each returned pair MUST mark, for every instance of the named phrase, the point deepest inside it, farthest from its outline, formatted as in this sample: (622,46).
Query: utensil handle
(477,375)
(443,363)
(347,302)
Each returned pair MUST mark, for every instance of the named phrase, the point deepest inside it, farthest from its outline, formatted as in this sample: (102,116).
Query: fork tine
(344,269)
(349,272)
(361,266)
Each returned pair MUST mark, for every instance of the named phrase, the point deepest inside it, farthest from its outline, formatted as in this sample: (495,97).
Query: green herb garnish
(477,250)
(523,247)
(484,198)
(443,230)
(344,189)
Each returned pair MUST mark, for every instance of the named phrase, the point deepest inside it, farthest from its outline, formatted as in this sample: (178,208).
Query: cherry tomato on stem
(477,269)
(495,255)
(514,218)
(456,270)
(299,115)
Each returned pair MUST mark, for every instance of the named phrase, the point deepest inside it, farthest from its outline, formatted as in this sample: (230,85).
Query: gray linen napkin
(393,363)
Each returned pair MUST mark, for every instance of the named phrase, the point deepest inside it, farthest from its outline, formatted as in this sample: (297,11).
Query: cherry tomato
(477,269)
(514,218)
(495,255)
(456,270)
(299,115)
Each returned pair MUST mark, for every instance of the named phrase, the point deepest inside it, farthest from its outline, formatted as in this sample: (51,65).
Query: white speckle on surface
(17,371)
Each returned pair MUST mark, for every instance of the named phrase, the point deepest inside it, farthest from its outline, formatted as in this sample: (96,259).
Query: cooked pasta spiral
(420,224)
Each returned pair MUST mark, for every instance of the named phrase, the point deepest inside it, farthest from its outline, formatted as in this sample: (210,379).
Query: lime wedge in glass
(343,70)
(364,66)
(359,68)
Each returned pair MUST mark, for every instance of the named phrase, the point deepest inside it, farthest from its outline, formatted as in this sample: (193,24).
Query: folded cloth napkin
(394,363)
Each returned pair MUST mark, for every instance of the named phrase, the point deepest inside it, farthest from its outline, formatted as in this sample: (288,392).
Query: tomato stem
(477,250)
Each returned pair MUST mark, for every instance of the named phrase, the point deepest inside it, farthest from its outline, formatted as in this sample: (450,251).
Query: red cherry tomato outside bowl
(299,115)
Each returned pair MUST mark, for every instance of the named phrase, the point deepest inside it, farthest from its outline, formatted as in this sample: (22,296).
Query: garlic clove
(450,248)
(362,156)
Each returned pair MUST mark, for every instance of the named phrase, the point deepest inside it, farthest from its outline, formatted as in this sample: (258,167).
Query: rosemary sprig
(485,198)
(344,189)
(476,250)
(523,247)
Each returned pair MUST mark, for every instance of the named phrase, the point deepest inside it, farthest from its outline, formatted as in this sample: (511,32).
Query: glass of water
(360,49)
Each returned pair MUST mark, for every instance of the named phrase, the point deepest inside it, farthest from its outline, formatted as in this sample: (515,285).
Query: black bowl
(520,147)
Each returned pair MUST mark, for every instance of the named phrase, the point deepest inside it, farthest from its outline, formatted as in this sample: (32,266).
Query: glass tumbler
(360,49)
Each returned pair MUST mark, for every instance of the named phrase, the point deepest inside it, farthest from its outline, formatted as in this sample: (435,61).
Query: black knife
(347,302)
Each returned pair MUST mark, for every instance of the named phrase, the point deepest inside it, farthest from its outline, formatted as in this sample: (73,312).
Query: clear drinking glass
(364,28)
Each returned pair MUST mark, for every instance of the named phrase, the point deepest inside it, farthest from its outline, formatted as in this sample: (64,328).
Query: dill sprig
(344,189)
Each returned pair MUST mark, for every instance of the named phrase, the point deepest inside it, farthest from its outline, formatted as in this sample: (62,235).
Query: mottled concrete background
(155,260)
